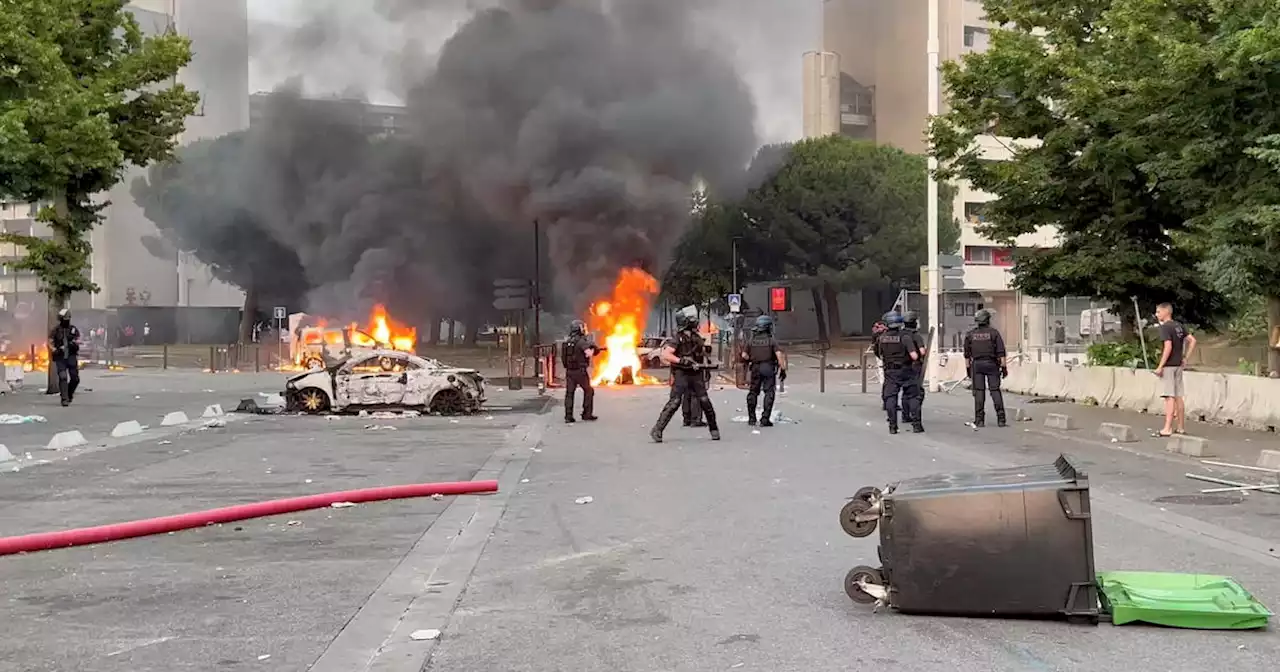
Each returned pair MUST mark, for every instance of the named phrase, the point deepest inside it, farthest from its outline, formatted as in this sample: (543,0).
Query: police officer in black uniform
(576,357)
(689,407)
(679,352)
(766,363)
(64,348)
(913,395)
(894,348)
(984,355)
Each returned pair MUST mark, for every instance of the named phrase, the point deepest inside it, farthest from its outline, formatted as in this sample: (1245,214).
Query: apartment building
(870,81)
(122,267)
(373,118)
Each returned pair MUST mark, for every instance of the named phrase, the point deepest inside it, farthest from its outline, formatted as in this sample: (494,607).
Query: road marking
(423,590)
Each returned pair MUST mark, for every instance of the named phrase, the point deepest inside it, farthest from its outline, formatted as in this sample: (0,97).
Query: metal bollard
(822,373)
(164,356)
(213,364)
(257,359)
(864,372)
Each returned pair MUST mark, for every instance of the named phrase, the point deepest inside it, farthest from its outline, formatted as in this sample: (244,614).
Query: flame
(620,319)
(24,359)
(380,332)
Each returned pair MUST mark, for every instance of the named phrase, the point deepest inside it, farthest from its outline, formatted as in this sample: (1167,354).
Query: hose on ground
(84,536)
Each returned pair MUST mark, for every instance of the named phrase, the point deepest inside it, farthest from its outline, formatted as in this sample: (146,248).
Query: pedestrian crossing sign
(735,303)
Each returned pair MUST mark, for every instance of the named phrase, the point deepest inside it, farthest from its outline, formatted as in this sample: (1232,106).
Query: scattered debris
(777,418)
(424,635)
(264,656)
(845,366)
(214,424)
(341,505)
(584,500)
(166,443)
(392,415)
(1238,486)
(294,523)
(437,496)
(375,428)
(11,419)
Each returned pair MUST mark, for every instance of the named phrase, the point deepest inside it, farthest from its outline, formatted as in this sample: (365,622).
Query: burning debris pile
(314,342)
(620,320)
(593,118)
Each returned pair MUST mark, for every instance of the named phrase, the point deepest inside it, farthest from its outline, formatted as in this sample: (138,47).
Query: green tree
(83,94)
(1062,81)
(701,270)
(843,214)
(198,203)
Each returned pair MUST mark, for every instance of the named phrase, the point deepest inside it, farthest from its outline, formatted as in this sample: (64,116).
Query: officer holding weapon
(897,354)
(690,408)
(913,396)
(576,358)
(984,356)
(767,363)
(679,352)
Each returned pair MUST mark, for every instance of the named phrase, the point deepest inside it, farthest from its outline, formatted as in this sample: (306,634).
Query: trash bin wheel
(849,522)
(868,493)
(870,575)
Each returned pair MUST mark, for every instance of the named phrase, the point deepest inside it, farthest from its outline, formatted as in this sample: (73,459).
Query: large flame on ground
(620,321)
(24,359)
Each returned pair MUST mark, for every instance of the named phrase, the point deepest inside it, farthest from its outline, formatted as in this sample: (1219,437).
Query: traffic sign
(511,282)
(281,313)
(780,299)
(512,294)
(950,261)
(735,303)
(952,279)
(512,303)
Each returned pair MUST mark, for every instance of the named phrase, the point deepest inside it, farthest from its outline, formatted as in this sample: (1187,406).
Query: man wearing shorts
(1178,345)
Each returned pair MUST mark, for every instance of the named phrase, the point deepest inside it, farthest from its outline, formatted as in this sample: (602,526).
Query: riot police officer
(913,395)
(894,348)
(690,409)
(64,351)
(984,355)
(679,353)
(576,358)
(766,364)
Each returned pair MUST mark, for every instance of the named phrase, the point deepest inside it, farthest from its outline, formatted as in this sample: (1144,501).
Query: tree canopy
(1070,83)
(83,94)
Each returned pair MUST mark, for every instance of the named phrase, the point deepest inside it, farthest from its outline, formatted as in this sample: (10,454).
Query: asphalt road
(691,555)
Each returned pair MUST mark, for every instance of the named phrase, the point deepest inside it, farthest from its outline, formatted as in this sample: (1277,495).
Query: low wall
(1243,401)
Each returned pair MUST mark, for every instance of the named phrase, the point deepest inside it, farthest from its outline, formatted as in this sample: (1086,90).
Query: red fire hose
(84,536)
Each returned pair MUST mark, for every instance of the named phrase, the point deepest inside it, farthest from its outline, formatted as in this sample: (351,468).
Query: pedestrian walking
(913,394)
(576,358)
(1178,346)
(894,348)
(766,363)
(64,350)
(679,353)
(984,356)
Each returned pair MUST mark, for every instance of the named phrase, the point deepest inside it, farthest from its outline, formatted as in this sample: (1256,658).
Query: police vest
(893,351)
(689,345)
(761,349)
(572,355)
(982,343)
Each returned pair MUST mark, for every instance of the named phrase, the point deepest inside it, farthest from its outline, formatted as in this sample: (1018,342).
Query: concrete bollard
(1021,415)
(126,428)
(5,455)
(1120,433)
(213,411)
(1269,459)
(1192,446)
(64,440)
(1059,421)
(175,418)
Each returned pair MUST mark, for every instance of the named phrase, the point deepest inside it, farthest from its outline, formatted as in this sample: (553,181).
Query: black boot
(568,420)
(664,418)
(917,427)
(893,429)
(1000,420)
(590,418)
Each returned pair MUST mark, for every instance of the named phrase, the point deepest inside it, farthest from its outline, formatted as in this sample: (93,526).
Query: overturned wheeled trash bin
(1012,542)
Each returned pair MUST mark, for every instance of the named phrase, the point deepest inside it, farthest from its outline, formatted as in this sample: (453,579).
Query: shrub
(1122,353)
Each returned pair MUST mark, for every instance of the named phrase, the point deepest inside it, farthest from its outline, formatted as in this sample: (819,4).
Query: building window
(976,38)
(977,255)
(973,213)
(1002,256)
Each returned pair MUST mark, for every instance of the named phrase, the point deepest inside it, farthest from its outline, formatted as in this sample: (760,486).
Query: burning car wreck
(386,380)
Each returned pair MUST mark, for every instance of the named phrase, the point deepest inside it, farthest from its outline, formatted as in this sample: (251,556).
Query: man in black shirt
(984,355)
(64,348)
(1178,346)
(766,363)
(576,357)
(679,353)
(896,351)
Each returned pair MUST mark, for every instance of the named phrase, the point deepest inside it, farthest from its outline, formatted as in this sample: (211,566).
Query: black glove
(782,375)
(1004,372)
(687,362)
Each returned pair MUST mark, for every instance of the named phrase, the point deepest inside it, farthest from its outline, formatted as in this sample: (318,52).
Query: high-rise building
(881,93)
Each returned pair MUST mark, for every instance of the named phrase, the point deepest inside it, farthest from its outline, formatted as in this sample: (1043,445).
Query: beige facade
(821,91)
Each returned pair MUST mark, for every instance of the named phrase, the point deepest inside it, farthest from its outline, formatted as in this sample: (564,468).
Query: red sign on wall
(780,299)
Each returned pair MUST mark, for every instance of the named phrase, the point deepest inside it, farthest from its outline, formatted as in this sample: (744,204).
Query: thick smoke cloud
(593,119)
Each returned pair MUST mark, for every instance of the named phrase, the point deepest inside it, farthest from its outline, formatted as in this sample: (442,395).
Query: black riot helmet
(64,316)
(686,322)
(577,328)
(893,320)
(763,325)
(910,320)
(982,318)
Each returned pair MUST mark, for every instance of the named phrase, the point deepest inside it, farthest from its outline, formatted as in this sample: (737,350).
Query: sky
(766,39)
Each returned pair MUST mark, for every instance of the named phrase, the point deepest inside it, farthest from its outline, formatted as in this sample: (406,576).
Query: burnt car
(386,380)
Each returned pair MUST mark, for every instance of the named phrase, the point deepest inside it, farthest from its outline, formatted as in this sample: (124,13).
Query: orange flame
(381,332)
(23,359)
(620,319)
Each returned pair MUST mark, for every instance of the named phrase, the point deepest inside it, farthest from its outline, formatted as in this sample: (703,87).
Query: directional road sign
(735,303)
(281,313)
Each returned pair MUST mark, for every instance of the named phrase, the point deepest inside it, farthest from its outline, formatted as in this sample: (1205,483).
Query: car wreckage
(386,380)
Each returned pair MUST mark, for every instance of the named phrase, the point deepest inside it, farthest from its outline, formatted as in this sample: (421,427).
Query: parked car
(386,380)
(647,350)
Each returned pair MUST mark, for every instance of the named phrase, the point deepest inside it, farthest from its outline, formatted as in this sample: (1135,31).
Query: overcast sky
(765,37)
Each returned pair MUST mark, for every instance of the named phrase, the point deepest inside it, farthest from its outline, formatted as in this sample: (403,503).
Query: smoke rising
(592,118)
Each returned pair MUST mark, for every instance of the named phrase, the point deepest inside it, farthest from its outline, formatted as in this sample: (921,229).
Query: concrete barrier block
(1021,415)
(1192,446)
(126,428)
(64,440)
(1059,421)
(175,418)
(1269,459)
(1122,433)
(213,411)
(5,455)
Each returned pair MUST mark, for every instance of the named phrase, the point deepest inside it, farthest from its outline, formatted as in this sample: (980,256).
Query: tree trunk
(453,324)
(833,311)
(819,315)
(249,316)
(1273,336)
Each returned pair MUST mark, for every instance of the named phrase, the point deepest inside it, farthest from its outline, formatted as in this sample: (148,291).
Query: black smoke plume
(593,118)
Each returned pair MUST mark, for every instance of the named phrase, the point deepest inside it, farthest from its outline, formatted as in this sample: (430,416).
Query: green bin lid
(1199,601)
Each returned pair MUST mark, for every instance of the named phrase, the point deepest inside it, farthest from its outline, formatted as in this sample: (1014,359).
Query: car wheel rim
(312,401)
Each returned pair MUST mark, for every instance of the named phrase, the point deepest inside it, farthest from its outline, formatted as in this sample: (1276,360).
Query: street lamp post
(934,88)
(735,265)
